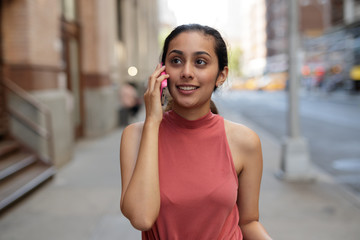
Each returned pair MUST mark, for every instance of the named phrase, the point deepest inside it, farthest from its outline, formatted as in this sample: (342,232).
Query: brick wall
(98,35)
(31,43)
(44,35)
(15,32)
(31,32)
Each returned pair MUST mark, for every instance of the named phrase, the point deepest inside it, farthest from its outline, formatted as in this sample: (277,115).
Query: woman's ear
(222,76)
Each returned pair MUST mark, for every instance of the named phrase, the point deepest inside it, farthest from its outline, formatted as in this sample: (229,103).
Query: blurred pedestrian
(187,173)
(129,101)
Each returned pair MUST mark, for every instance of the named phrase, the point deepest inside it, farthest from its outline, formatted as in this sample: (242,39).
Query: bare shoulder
(133,129)
(130,139)
(241,136)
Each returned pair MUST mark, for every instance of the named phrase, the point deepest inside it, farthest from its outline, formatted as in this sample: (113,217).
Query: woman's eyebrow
(182,53)
(176,51)
(202,53)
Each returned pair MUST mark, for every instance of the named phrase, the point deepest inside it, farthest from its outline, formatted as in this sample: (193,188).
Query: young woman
(188,173)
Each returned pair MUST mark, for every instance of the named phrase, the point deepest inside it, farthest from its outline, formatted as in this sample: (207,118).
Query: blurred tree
(234,61)
(163,33)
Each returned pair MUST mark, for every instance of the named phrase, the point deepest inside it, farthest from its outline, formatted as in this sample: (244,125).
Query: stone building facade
(70,57)
(68,54)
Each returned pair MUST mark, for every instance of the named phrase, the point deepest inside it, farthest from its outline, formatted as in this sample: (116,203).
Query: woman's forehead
(192,41)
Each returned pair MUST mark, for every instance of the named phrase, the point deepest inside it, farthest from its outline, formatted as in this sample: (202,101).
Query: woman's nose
(187,72)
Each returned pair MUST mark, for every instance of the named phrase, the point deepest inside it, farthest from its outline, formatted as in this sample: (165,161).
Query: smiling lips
(187,88)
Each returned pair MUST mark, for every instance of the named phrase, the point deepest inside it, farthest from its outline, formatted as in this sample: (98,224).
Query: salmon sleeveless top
(198,181)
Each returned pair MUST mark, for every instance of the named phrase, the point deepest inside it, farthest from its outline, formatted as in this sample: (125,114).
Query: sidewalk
(297,211)
(82,201)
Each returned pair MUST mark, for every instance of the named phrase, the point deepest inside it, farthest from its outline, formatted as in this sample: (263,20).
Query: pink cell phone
(163,85)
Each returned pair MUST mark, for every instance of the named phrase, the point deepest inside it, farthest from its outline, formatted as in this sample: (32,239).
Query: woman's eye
(176,61)
(200,62)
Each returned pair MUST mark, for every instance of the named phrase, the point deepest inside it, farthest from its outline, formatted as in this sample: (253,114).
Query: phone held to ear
(162,87)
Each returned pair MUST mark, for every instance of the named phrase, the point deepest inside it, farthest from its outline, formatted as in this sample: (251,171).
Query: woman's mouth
(187,89)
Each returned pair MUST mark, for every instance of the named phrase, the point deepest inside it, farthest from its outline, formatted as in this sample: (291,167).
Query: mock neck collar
(203,121)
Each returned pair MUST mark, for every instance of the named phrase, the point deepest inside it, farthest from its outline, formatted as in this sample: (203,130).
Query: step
(16,186)
(8,146)
(15,162)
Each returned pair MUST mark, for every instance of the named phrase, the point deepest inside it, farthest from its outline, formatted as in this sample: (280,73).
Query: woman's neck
(192,113)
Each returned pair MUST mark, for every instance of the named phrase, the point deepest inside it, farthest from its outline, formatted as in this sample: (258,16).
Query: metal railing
(27,124)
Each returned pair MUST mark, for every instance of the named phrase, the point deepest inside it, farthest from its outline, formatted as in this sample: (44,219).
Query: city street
(82,201)
(73,75)
(330,123)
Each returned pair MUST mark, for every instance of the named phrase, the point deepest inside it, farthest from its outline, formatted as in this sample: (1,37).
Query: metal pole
(295,160)
(293,108)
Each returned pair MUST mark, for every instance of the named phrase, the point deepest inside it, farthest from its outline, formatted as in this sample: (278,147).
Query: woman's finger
(151,77)
(159,80)
(155,77)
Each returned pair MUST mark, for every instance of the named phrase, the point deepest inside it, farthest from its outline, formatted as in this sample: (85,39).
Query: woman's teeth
(187,88)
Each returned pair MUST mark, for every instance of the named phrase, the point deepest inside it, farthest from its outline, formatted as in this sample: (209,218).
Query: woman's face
(192,64)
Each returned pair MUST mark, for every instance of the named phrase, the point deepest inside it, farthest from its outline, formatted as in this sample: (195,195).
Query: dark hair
(220,49)
(220,45)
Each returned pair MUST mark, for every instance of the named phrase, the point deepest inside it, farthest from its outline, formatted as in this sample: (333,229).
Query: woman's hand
(152,95)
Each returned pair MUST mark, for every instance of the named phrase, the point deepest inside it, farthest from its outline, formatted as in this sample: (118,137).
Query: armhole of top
(228,149)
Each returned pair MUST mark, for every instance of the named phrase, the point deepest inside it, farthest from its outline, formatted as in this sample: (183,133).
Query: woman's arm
(140,195)
(247,154)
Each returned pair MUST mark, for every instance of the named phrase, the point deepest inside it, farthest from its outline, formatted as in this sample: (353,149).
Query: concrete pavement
(82,201)
(319,210)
